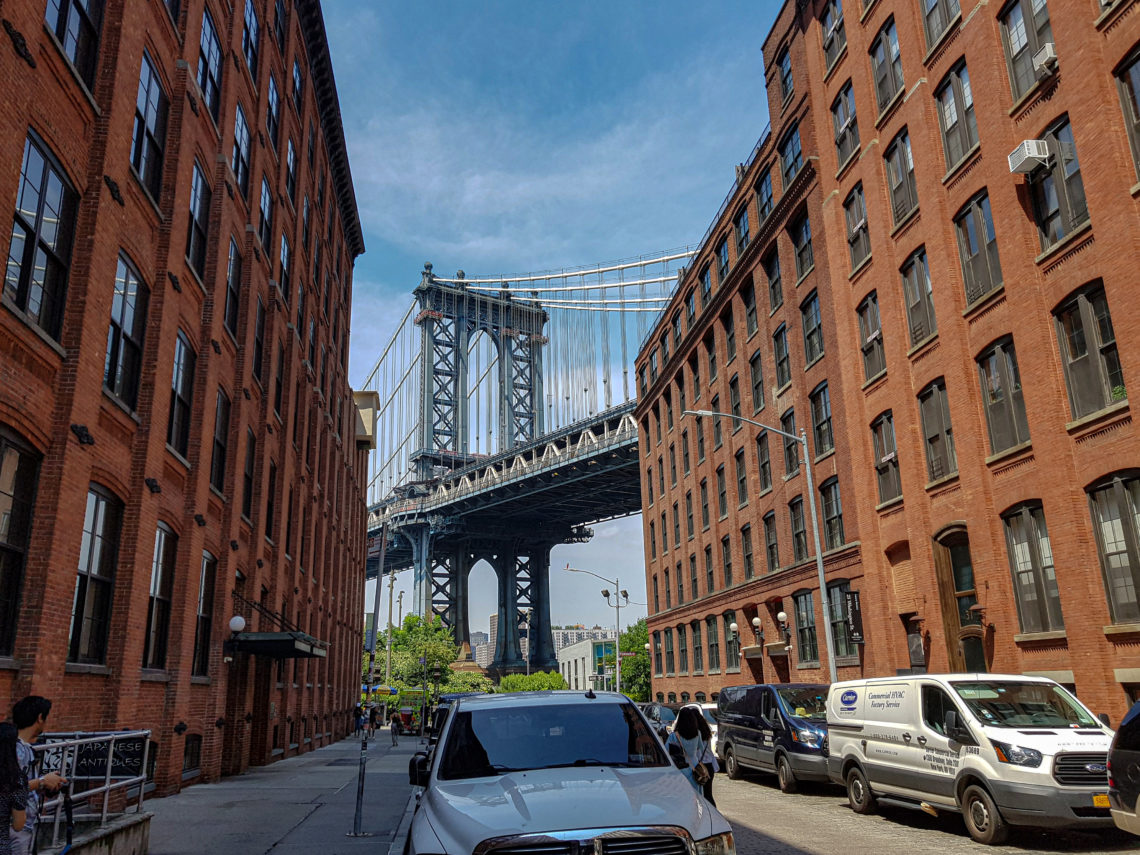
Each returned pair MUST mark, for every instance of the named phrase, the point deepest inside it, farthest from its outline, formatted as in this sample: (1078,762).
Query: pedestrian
(395,724)
(358,718)
(29,715)
(373,719)
(692,733)
(13,789)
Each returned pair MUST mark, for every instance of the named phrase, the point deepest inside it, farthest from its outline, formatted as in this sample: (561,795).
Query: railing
(94,764)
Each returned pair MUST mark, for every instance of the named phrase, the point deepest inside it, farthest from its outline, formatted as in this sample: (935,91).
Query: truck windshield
(808,702)
(491,741)
(1005,703)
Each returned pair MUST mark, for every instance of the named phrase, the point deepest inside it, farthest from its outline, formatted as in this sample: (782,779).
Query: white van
(1000,749)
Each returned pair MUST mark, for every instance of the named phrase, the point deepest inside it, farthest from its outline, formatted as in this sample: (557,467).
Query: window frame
(102,530)
(77,28)
(791,446)
(198,226)
(918,297)
(1019,62)
(771,542)
(209,73)
(1031,558)
(807,642)
(823,434)
(1128,84)
(834,34)
(937,431)
(886,70)
(1060,204)
(148,137)
(221,441)
(977,248)
(886,458)
(871,338)
(791,156)
(831,507)
(181,395)
(126,334)
(1102,371)
(782,357)
(156,636)
(955,94)
(1118,489)
(937,18)
(845,123)
(812,322)
(19,495)
(1002,396)
(858,231)
(901,185)
(799,230)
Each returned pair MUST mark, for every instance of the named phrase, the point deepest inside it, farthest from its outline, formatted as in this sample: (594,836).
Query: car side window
(766,709)
(935,703)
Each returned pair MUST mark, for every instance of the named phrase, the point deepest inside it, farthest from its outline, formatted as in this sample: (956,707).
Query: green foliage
(635,670)
(416,639)
(466,681)
(539,681)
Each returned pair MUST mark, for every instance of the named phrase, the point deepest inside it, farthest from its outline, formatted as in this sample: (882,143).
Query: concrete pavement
(297,806)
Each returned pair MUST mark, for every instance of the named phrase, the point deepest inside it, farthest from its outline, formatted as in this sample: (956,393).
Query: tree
(635,669)
(538,681)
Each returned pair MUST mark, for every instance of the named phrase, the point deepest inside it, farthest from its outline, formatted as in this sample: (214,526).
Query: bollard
(356,821)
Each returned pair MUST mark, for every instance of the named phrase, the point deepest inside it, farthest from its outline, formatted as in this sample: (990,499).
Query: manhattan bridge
(506,428)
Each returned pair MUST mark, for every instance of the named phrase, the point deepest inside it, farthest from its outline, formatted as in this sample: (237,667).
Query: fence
(100,768)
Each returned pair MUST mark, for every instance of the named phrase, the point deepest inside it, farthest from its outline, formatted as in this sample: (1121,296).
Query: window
(265,227)
(695,371)
(741,478)
(273,112)
(791,446)
(669,651)
(731,643)
(259,341)
(653,366)
(813,328)
(746,551)
(807,650)
(800,231)
(700,428)
(919,298)
(846,125)
(977,247)
(149,136)
(690,308)
(1128,80)
(1058,191)
(1002,396)
(858,237)
(771,545)
(1031,563)
(198,227)
(291,170)
(791,157)
(780,350)
(685,451)
(210,66)
(693,576)
(886,457)
(286,257)
(40,250)
(676,526)
(821,420)
(192,753)
(722,261)
(653,545)
(840,629)
(710,353)
(726,560)
(247,477)
(240,160)
(1115,507)
(221,441)
(784,64)
(20,467)
(76,25)
(664,535)
(756,378)
(298,86)
(280,23)
(91,607)
(123,365)
(775,290)
(714,643)
(764,188)
(740,229)
(763,462)
(718,436)
(937,433)
(271,502)
(900,177)
(250,36)
(161,590)
(672,465)
(956,115)
(937,16)
(181,395)
(729,336)
(682,651)
(734,400)
(689,514)
(886,65)
(721,492)
(871,337)
(706,286)
(834,36)
(656,650)
(709,583)
(306,231)
(832,514)
(1088,352)
(695,633)
(748,298)
(799,533)
(1025,30)
(675,323)
(233,288)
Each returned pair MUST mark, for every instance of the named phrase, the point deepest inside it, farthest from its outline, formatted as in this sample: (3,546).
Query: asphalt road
(817,821)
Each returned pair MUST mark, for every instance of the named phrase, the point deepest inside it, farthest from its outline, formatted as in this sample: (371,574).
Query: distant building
(580,662)
(574,635)
(483,653)
(479,638)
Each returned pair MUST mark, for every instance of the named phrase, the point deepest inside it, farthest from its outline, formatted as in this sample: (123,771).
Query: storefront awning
(279,645)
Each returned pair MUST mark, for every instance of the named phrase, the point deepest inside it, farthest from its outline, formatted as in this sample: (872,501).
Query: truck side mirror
(1105,720)
(677,755)
(419,769)
(955,731)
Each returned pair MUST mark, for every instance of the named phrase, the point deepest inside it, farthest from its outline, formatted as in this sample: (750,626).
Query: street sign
(626,653)
(853,613)
(423,660)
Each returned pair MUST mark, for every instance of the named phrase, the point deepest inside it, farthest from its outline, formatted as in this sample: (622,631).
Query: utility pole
(388,669)
(358,818)
(400,600)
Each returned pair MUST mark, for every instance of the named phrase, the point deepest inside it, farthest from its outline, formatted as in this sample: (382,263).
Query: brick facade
(297,557)
(1029,474)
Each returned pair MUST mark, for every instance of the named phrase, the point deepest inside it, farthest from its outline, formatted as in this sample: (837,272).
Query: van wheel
(983,819)
(784,776)
(731,767)
(859,792)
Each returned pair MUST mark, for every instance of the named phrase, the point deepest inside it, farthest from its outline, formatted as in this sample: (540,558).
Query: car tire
(983,819)
(859,794)
(731,767)
(784,775)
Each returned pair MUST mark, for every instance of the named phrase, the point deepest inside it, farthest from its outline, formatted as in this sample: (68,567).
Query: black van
(1124,773)
(776,727)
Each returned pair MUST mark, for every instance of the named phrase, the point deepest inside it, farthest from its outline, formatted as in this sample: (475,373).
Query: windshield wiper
(588,761)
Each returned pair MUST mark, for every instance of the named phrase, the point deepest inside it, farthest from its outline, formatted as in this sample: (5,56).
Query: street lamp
(802,440)
(617,605)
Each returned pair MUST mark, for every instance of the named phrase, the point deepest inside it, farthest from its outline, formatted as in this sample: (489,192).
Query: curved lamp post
(618,595)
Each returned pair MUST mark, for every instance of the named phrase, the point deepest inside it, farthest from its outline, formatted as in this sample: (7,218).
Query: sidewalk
(296,806)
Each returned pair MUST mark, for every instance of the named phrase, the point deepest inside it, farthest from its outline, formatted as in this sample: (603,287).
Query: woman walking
(13,788)
(692,733)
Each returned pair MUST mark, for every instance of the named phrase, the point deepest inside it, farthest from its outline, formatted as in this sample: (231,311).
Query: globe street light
(617,604)
(802,440)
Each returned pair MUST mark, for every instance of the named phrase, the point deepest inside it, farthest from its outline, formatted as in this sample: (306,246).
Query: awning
(279,645)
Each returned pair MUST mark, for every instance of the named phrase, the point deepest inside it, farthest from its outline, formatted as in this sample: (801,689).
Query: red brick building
(178,441)
(977,339)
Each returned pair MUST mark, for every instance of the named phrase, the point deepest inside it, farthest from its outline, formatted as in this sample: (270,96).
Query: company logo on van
(848,698)
(1096,768)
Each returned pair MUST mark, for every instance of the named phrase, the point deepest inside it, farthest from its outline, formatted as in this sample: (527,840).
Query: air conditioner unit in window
(1045,60)
(1028,156)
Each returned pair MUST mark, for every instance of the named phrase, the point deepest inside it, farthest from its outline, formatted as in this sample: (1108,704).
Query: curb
(396,847)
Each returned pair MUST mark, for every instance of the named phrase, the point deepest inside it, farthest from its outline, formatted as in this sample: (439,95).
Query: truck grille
(1081,770)
(556,847)
(641,840)
(644,846)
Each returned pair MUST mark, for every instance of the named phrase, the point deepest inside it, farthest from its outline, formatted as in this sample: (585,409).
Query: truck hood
(1050,741)
(464,813)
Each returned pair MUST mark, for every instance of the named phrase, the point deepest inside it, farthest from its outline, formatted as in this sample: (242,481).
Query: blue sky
(509,137)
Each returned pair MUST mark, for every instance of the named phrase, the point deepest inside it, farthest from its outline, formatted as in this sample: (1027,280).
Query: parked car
(1001,750)
(661,716)
(774,727)
(708,713)
(534,770)
(1124,773)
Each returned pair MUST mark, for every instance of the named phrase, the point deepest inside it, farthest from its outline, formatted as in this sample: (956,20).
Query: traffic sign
(626,653)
